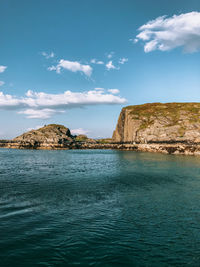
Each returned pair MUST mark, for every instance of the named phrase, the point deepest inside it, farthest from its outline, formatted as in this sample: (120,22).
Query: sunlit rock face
(157,122)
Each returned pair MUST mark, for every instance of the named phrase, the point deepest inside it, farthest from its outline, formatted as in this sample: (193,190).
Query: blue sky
(60,60)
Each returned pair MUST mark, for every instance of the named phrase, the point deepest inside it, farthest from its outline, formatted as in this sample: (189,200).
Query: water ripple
(98,208)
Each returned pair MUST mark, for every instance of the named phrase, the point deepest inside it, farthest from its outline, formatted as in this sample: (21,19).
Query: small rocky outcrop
(159,123)
(52,136)
(47,136)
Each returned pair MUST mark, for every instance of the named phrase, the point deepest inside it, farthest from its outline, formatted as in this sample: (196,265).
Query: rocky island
(172,128)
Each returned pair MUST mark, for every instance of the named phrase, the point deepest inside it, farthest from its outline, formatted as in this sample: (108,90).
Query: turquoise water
(98,208)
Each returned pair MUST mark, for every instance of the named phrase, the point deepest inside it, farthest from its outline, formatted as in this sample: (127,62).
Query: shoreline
(166,148)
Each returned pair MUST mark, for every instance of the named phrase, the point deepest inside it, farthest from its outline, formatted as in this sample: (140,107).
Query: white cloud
(45,113)
(73,66)
(44,105)
(2,83)
(98,62)
(113,91)
(54,68)
(79,131)
(2,68)
(123,60)
(8,101)
(110,66)
(167,33)
(47,56)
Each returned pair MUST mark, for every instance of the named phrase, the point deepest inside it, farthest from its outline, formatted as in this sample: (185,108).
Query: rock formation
(47,136)
(159,123)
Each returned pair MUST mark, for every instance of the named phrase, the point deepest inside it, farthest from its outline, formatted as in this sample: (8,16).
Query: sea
(98,208)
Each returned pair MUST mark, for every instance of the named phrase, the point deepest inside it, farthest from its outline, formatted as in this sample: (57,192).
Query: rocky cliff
(157,122)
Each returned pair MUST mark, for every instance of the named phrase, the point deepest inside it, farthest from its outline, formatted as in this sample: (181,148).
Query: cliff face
(157,122)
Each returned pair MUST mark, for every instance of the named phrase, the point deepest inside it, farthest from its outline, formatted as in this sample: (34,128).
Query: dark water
(98,208)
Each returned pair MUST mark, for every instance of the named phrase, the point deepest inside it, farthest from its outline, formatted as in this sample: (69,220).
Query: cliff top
(172,110)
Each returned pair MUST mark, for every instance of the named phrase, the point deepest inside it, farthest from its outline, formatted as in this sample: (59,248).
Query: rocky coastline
(166,148)
(171,128)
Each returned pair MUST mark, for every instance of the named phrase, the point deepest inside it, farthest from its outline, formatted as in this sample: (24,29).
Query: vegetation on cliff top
(175,112)
(164,108)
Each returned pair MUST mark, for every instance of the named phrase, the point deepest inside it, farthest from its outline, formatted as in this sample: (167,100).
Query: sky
(77,63)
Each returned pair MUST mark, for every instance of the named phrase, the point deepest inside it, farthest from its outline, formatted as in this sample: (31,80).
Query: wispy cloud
(123,60)
(2,68)
(168,33)
(73,66)
(113,91)
(2,83)
(110,66)
(43,105)
(48,55)
(95,61)
(45,113)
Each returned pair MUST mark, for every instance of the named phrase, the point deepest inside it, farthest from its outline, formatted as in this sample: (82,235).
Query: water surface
(98,208)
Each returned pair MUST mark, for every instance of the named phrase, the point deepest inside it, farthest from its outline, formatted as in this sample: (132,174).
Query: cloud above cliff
(73,66)
(43,105)
(168,33)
